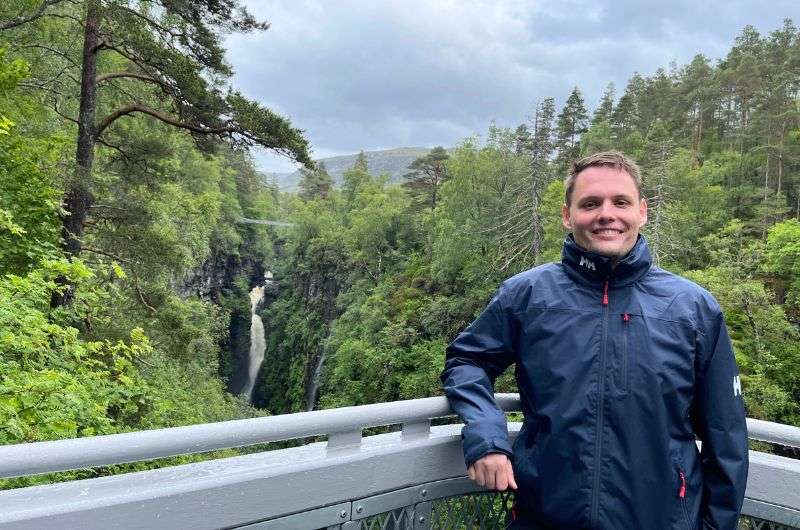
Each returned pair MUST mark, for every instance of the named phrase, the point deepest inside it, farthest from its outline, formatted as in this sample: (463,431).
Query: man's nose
(606,212)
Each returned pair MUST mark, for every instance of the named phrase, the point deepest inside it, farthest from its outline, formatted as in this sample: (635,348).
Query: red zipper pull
(682,491)
(605,293)
(626,317)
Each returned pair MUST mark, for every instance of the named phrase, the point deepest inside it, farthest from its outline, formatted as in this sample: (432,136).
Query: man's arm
(719,420)
(474,360)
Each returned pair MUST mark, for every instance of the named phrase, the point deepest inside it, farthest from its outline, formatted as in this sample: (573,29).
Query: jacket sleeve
(719,420)
(474,360)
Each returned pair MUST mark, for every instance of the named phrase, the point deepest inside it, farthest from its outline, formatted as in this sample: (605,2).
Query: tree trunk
(79,197)
(780,155)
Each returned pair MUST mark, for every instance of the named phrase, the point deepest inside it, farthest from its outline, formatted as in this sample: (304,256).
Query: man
(620,366)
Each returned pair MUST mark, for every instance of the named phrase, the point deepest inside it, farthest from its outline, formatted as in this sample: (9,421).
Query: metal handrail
(777,433)
(76,453)
(344,424)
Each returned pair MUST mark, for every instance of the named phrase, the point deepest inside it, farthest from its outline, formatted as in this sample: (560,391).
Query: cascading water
(313,388)
(257,340)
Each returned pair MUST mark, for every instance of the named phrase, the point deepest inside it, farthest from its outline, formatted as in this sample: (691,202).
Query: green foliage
(783,257)
(56,385)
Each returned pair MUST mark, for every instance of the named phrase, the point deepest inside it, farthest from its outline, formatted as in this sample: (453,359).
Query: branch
(54,51)
(20,20)
(105,44)
(153,23)
(165,118)
(133,273)
(105,253)
(68,118)
(115,75)
(115,147)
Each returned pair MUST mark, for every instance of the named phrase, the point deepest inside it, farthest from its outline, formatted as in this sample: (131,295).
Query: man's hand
(493,471)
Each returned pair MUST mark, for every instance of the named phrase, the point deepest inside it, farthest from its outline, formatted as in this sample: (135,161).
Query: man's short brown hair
(613,159)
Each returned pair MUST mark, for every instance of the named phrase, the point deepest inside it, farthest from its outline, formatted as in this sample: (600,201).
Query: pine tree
(426,177)
(572,123)
(524,140)
(316,183)
(605,109)
(625,118)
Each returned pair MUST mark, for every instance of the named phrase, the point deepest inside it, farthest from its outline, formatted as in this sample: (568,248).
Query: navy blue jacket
(619,369)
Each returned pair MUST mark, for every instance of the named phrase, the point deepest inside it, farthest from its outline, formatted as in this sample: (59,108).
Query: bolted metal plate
(330,516)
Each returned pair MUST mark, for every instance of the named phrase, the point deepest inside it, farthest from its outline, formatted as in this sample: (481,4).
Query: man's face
(605,213)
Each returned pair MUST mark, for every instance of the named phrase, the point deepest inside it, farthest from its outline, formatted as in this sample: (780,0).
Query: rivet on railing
(359,509)
(343,514)
(424,493)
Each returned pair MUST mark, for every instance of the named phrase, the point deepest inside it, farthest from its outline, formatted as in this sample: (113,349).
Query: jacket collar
(587,266)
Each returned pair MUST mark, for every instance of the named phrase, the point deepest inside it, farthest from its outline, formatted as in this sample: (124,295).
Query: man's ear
(643,212)
(565,217)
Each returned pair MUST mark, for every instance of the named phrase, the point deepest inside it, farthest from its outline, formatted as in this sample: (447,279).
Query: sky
(379,74)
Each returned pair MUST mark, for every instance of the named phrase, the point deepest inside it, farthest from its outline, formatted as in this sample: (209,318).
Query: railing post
(416,429)
(422,516)
(339,442)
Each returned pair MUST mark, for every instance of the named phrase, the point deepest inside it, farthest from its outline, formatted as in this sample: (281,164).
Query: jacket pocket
(682,489)
(623,360)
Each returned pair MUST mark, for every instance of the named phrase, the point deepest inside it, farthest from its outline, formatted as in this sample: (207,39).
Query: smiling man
(621,366)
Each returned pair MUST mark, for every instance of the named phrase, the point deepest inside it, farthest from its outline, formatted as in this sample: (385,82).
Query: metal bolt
(421,518)
(424,493)
(343,514)
(359,509)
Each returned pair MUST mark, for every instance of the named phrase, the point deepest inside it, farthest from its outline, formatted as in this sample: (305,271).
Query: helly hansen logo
(589,264)
(737,386)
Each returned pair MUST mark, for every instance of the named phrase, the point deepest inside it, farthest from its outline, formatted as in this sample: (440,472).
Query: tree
(425,180)
(427,175)
(626,117)
(572,123)
(524,140)
(659,149)
(172,70)
(315,183)
(698,91)
(355,178)
(605,109)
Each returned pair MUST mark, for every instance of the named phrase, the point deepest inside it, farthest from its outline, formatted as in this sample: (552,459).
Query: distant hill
(392,162)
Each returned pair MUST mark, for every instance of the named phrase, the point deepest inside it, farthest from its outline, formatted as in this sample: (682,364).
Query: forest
(125,270)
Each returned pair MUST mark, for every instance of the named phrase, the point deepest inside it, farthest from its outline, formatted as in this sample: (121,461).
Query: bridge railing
(408,479)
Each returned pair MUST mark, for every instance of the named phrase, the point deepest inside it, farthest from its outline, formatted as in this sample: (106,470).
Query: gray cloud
(370,75)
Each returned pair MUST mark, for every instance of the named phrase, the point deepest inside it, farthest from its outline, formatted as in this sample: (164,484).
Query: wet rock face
(216,277)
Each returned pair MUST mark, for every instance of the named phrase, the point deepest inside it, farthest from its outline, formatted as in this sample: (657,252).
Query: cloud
(367,75)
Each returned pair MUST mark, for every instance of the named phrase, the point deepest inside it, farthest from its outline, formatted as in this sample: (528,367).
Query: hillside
(392,162)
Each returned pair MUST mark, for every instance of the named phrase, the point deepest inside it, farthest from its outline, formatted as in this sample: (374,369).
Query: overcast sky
(380,74)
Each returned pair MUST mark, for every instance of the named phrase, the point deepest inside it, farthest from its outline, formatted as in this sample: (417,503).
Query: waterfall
(257,340)
(313,388)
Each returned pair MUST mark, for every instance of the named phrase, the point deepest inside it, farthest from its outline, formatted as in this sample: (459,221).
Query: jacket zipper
(625,319)
(601,406)
(682,497)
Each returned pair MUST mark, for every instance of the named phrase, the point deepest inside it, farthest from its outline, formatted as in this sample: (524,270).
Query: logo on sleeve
(589,264)
(737,386)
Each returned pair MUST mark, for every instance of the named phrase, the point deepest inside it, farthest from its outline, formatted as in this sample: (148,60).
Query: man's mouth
(607,231)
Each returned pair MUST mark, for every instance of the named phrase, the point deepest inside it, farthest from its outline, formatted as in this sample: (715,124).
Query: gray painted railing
(313,486)
(343,427)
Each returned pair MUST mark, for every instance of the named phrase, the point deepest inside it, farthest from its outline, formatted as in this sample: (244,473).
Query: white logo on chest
(589,264)
(737,386)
